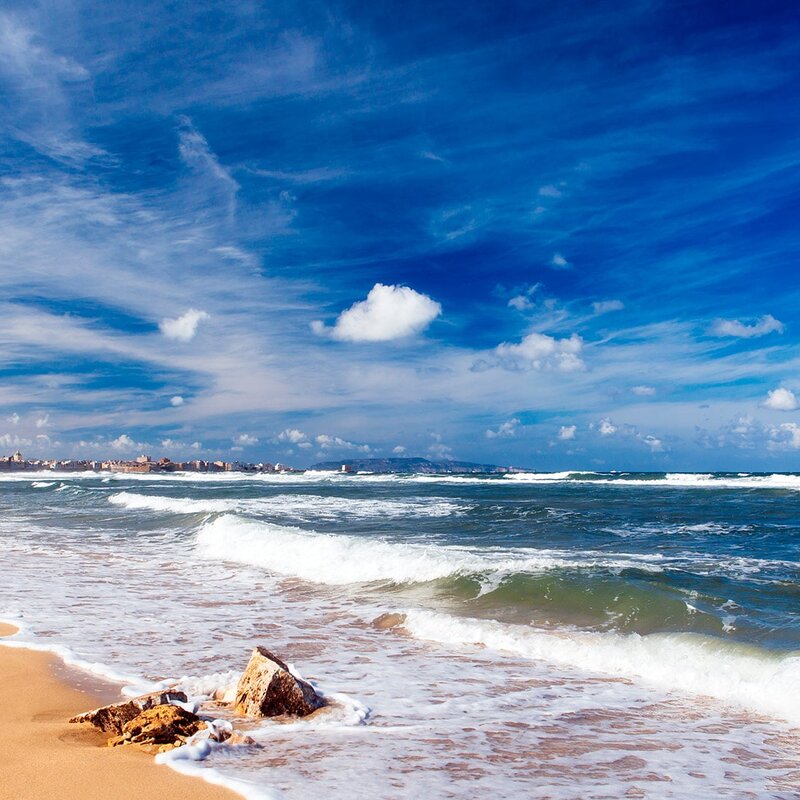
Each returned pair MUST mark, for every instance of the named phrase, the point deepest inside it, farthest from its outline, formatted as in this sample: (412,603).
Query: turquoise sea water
(566,635)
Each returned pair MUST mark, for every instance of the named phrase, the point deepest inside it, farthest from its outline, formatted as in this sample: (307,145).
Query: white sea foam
(297,505)
(675,480)
(734,673)
(342,559)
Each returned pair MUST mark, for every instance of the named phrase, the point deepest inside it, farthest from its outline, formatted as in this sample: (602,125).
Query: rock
(388,620)
(268,689)
(160,725)
(113,718)
(233,738)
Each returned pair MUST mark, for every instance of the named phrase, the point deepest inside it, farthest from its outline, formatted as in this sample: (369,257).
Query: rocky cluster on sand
(161,721)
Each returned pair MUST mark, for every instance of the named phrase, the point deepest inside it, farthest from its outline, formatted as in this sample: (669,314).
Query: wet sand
(44,757)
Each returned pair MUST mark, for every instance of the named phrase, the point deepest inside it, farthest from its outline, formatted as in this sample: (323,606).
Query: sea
(559,635)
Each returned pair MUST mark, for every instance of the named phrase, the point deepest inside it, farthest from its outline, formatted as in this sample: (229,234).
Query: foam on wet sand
(45,757)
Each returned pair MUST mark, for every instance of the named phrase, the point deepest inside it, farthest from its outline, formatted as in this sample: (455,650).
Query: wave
(734,673)
(677,480)
(299,506)
(339,559)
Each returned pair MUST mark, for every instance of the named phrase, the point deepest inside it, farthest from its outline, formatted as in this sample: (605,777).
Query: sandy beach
(45,757)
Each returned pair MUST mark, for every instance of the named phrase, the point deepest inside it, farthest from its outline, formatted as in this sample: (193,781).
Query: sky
(549,235)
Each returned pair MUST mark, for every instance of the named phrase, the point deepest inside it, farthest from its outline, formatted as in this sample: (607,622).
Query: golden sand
(43,757)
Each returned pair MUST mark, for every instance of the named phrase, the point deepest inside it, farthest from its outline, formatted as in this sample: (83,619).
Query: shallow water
(567,635)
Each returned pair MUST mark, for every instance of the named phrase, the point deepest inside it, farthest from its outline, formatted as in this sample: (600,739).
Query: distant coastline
(144,464)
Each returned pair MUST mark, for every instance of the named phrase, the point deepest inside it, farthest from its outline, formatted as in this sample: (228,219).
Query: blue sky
(551,235)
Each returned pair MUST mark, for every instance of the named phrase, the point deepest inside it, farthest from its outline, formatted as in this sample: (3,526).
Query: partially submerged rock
(160,725)
(391,619)
(113,718)
(268,689)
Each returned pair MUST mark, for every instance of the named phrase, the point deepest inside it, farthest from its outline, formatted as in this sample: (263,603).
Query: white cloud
(524,300)
(184,327)
(549,191)
(607,427)
(176,444)
(781,399)
(326,442)
(14,418)
(125,443)
(521,302)
(43,422)
(441,451)
(567,432)
(304,445)
(389,312)
(539,351)
(559,262)
(292,435)
(656,445)
(785,435)
(504,431)
(177,400)
(245,440)
(733,327)
(13,441)
(644,391)
(604,306)
(398,450)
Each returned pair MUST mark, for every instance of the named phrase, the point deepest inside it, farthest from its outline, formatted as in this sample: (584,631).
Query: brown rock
(268,689)
(232,737)
(159,725)
(388,620)
(113,718)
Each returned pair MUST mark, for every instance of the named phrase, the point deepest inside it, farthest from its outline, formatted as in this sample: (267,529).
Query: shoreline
(44,756)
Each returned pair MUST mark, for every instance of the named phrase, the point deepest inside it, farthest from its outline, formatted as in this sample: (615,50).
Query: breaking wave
(677,480)
(342,559)
(739,674)
(300,506)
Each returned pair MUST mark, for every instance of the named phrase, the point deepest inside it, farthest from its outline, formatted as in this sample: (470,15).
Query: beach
(44,757)
(559,635)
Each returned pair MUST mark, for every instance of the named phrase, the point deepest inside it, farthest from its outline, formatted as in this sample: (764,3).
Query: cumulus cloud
(14,418)
(734,327)
(655,444)
(176,444)
(559,262)
(292,436)
(326,442)
(539,351)
(184,327)
(604,306)
(441,451)
(644,391)
(567,432)
(785,436)
(389,312)
(245,440)
(781,399)
(13,441)
(398,450)
(504,431)
(124,443)
(43,422)
(177,400)
(606,427)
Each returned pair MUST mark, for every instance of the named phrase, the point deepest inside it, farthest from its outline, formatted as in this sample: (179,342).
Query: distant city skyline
(514,233)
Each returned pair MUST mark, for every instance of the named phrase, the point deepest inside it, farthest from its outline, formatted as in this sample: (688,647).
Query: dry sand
(43,757)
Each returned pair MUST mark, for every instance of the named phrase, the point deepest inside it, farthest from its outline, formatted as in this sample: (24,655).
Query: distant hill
(407,465)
